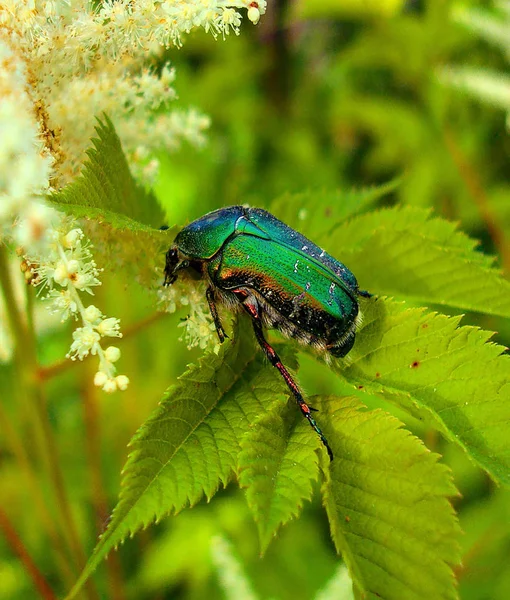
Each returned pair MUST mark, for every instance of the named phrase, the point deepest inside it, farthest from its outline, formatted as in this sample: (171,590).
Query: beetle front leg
(274,359)
(214,313)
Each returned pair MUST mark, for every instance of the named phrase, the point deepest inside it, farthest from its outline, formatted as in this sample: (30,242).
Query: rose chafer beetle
(251,260)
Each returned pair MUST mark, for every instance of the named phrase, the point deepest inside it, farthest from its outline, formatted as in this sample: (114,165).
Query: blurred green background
(322,94)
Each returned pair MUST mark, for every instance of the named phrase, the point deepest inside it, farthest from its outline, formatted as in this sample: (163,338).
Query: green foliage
(234,582)
(445,375)
(348,8)
(339,106)
(278,465)
(386,499)
(318,212)
(406,253)
(106,191)
(189,446)
(385,495)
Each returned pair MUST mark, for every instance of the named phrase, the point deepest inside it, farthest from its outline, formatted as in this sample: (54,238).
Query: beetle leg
(274,359)
(364,294)
(214,313)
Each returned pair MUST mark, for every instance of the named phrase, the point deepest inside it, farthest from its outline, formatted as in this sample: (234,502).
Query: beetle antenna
(274,359)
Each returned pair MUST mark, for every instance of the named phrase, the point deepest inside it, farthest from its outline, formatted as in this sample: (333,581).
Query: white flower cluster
(488,86)
(62,63)
(64,268)
(84,59)
(199,329)
(25,163)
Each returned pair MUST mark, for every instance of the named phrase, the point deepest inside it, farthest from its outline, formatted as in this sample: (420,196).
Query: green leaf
(315,213)
(278,465)
(446,375)
(404,252)
(106,191)
(189,446)
(386,497)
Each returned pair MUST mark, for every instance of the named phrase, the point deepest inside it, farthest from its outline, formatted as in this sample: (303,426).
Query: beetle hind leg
(274,359)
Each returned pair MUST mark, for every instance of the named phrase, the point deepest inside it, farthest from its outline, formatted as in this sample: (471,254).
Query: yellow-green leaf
(278,464)
(451,377)
(386,497)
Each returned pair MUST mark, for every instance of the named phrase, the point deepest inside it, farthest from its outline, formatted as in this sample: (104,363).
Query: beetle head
(174,263)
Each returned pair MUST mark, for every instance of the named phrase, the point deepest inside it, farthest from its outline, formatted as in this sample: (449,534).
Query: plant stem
(17,448)
(31,393)
(99,497)
(477,192)
(55,471)
(61,366)
(19,549)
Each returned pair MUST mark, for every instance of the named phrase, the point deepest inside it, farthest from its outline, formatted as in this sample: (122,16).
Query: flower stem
(18,450)
(61,366)
(89,393)
(18,547)
(475,188)
(34,401)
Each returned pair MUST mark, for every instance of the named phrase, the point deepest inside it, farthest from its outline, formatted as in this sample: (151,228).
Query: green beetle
(253,261)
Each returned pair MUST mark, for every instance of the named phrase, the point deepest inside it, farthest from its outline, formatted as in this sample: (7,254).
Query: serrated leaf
(189,446)
(315,213)
(278,464)
(446,375)
(106,191)
(404,252)
(386,497)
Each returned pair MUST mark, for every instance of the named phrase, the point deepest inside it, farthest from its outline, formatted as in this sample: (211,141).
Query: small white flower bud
(72,267)
(110,386)
(112,354)
(254,14)
(122,382)
(60,275)
(92,314)
(72,237)
(100,379)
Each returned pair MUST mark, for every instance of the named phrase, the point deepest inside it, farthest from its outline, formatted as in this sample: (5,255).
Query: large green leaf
(404,252)
(315,213)
(106,191)
(386,497)
(189,446)
(446,375)
(278,465)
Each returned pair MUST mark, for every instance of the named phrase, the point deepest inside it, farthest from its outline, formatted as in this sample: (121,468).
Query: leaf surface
(404,252)
(315,213)
(386,497)
(189,446)
(278,465)
(106,191)
(453,378)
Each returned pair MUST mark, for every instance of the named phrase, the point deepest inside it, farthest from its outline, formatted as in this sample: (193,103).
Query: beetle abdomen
(303,299)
